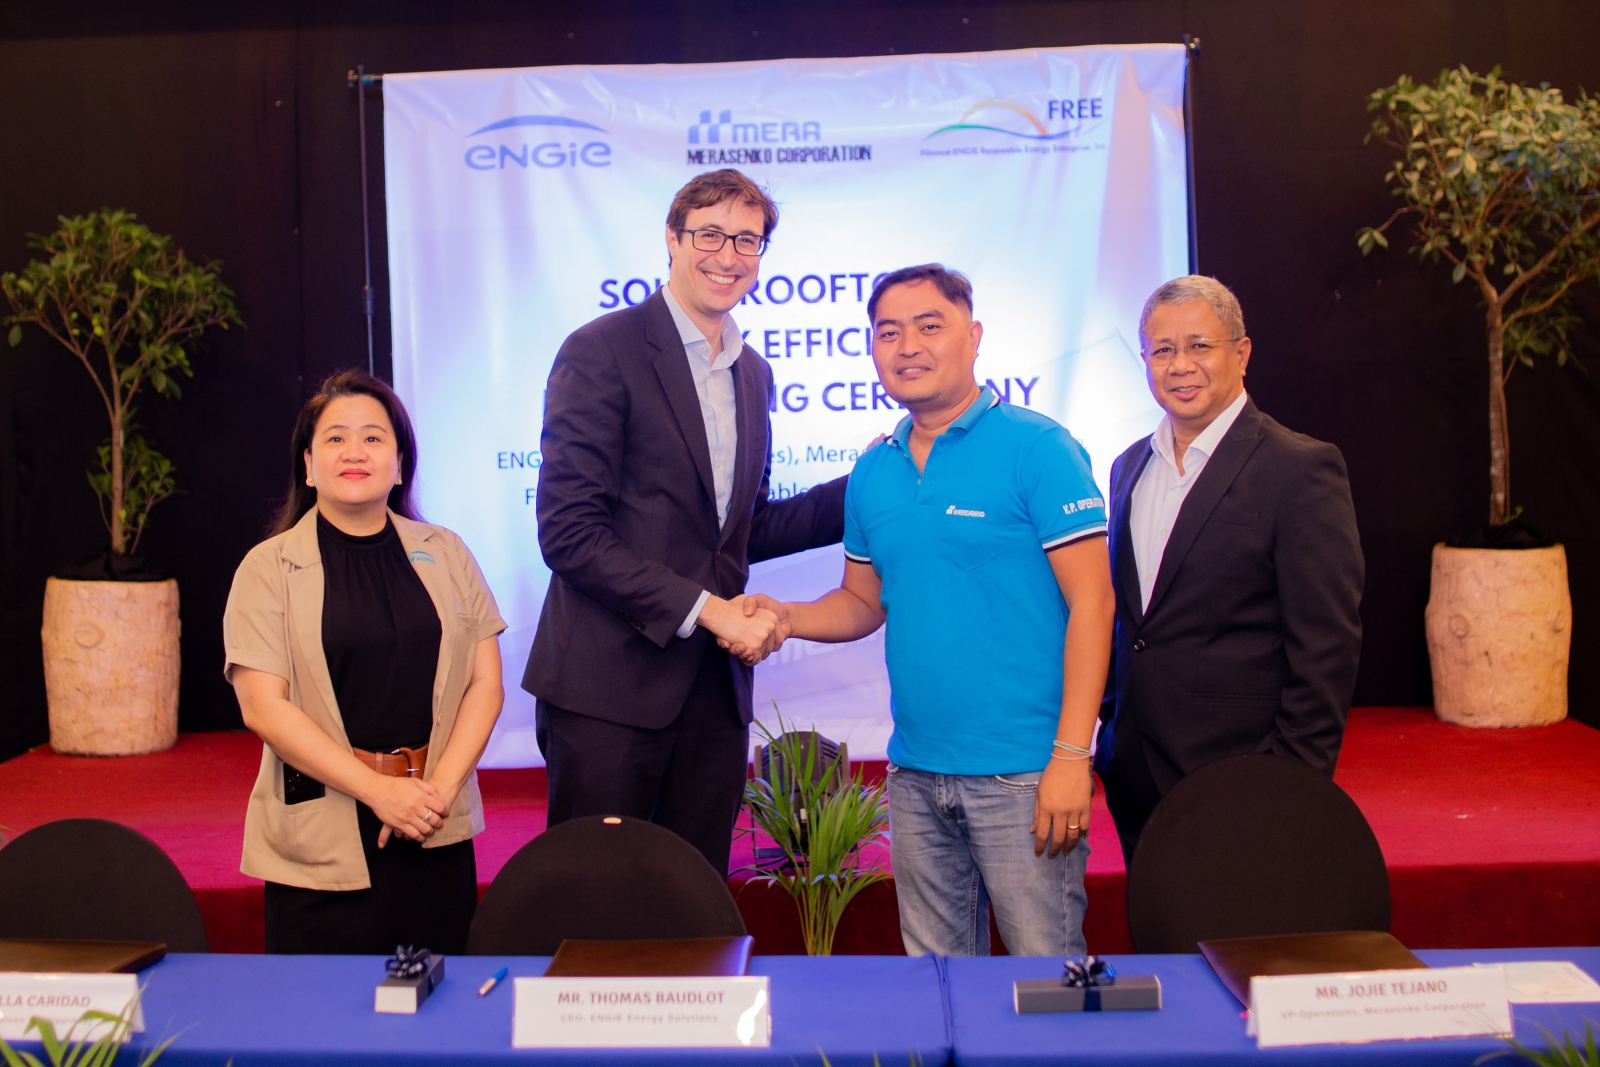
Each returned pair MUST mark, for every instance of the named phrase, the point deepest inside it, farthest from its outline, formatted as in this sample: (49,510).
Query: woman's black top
(380,632)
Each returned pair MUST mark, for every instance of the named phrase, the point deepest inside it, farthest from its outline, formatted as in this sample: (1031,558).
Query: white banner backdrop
(523,203)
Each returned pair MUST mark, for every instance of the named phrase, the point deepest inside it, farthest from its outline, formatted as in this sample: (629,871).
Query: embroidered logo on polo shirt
(1083,505)
(420,556)
(953,510)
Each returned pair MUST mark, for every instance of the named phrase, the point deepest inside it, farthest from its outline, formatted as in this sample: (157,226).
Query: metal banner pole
(1192,52)
(360,79)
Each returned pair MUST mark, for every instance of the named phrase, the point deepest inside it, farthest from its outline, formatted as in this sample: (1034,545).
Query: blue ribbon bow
(408,962)
(1088,973)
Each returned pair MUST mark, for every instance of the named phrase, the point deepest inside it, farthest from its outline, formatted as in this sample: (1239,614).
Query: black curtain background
(231,127)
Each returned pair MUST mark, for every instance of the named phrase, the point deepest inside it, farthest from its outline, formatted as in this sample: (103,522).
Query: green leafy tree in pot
(130,306)
(1499,181)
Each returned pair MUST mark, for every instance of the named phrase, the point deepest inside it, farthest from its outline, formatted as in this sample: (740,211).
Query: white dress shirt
(1161,490)
(713,383)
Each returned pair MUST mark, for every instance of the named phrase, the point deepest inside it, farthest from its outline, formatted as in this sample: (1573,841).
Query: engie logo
(998,115)
(548,155)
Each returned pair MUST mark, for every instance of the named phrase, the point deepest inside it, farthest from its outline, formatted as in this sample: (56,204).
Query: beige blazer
(273,623)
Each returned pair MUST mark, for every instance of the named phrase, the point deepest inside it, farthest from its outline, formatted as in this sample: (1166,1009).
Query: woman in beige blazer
(363,646)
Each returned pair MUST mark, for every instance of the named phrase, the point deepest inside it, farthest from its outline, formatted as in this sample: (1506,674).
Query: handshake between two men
(753,627)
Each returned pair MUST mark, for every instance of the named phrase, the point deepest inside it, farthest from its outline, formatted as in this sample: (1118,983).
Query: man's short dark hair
(716,187)
(952,283)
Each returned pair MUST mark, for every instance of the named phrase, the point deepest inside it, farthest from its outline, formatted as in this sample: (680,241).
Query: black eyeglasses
(746,244)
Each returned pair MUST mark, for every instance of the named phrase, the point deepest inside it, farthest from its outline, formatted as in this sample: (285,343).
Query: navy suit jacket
(628,519)
(1253,632)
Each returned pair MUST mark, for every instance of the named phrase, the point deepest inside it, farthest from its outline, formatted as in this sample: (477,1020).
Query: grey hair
(1209,291)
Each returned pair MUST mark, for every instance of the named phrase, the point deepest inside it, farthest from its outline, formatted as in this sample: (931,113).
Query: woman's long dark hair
(302,497)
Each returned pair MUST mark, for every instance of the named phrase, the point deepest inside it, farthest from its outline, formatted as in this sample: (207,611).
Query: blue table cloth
(279,1010)
(271,1010)
(1200,1022)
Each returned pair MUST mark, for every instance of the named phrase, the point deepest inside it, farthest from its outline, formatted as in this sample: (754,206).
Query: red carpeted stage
(1492,836)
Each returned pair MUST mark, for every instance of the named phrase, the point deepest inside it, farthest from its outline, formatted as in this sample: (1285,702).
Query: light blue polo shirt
(976,620)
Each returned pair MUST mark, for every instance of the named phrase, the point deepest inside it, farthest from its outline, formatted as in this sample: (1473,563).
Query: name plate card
(62,999)
(1361,1006)
(641,1013)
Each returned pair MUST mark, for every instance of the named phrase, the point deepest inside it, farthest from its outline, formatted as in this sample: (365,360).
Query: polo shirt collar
(964,422)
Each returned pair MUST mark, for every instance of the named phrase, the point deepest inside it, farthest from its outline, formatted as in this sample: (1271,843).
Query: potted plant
(128,305)
(1499,183)
(819,818)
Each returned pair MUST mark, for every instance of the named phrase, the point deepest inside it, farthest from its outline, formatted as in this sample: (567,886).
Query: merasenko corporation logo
(730,142)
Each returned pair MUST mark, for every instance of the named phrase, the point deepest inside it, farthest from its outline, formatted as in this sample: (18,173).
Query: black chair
(96,880)
(1252,846)
(830,767)
(601,878)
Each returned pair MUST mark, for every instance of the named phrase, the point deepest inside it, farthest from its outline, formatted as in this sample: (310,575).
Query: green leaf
(15,336)
(1460,271)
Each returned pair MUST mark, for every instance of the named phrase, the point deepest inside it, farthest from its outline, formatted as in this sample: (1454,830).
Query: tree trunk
(119,543)
(1499,432)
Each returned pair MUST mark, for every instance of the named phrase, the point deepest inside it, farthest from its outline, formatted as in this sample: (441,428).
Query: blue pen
(484,989)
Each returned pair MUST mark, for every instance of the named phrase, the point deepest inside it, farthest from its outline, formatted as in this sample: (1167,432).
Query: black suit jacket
(628,519)
(1253,632)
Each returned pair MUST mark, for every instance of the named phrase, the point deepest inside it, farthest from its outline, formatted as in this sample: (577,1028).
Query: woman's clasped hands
(408,806)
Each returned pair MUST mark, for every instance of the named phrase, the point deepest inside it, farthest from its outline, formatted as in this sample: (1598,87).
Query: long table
(265,1011)
(1200,1022)
(300,1010)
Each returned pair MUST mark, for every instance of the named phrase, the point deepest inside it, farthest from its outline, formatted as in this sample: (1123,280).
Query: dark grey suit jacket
(628,519)
(1253,632)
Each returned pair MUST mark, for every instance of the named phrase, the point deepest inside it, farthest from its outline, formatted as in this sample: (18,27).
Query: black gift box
(1131,992)
(403,996)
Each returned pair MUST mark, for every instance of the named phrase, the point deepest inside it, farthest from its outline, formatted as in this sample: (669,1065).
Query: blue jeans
(959,842)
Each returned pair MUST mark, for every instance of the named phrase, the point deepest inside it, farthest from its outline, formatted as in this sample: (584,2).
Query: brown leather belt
(401,763)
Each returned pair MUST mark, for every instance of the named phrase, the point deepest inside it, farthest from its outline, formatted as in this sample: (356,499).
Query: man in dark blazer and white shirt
(1237,566)
(652,505)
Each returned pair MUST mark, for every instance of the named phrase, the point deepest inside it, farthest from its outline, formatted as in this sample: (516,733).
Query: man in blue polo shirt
(977,531)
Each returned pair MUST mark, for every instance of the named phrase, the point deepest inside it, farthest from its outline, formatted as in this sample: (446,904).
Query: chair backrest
(830,760)
(1250,846)
(601,878)
(97,880)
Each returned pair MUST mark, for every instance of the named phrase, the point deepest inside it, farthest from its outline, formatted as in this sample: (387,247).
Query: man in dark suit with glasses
(652,505)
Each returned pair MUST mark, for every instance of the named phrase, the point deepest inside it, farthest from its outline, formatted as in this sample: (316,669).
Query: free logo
(547,155)
(1014,119)
(963,512)
(420,556)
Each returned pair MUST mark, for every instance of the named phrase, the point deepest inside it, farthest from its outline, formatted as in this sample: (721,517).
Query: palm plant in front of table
(1560,1051)
(70,1050)
(821,818)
